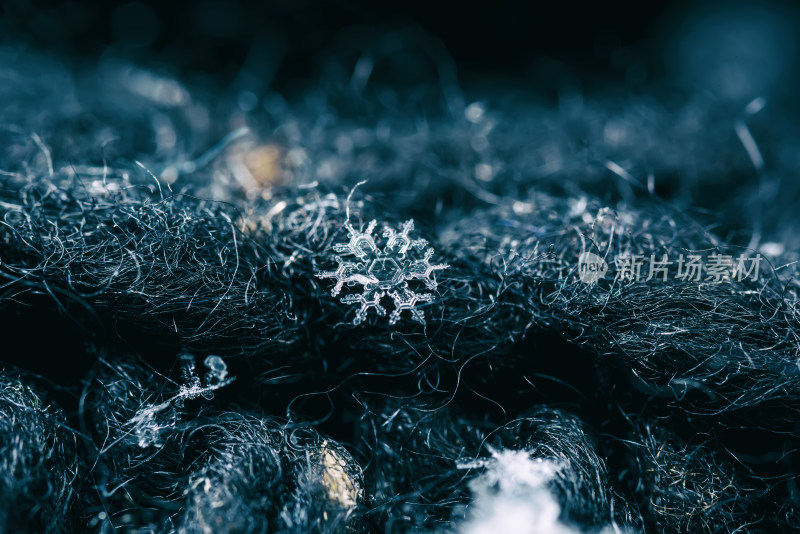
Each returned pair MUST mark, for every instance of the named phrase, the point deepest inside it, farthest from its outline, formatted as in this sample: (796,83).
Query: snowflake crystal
(384,272)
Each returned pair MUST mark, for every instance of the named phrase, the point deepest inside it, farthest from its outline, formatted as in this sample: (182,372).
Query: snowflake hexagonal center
(387,272)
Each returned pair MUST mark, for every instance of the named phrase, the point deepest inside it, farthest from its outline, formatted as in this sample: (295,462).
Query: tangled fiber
(183,370)
(39,461)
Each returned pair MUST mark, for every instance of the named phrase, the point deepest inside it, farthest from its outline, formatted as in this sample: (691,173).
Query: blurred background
(279,43)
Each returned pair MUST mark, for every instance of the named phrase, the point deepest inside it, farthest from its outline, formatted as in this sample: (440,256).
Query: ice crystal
(384,272)
(149,421)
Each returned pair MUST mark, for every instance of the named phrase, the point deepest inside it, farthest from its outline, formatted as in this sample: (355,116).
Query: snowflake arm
(422,270)
(399,243)
(405,299)
(368,300)
(341,274)
(361,244)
